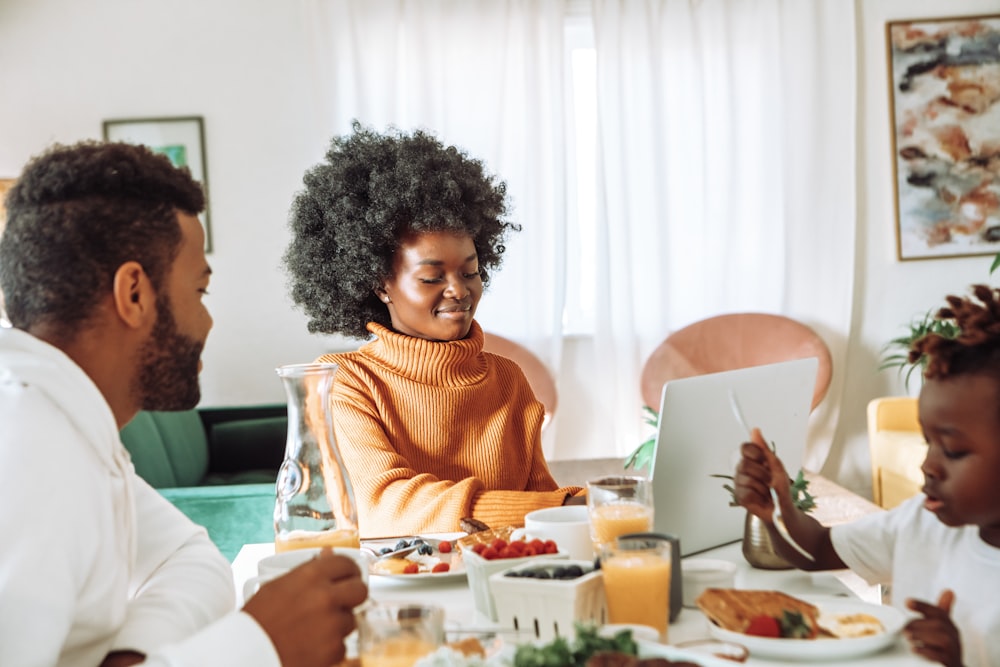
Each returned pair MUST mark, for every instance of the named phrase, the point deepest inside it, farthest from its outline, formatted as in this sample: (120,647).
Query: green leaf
(995,264)
(794,626)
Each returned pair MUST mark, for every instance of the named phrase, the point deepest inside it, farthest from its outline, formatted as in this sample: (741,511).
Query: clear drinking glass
(314,505)
(618,505)
(398,634)
(637,573)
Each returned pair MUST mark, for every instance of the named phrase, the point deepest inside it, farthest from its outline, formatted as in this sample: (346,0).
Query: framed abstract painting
(182,139)
(944,102)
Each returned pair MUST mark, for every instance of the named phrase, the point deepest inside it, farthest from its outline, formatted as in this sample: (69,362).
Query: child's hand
(758,470)
(934,636)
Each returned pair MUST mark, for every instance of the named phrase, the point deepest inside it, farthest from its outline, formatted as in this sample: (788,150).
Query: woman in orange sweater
(393,237)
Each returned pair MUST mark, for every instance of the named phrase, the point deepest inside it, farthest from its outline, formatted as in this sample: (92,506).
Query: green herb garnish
(561,653)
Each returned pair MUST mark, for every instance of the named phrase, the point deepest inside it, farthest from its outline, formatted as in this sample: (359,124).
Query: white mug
(568,526)
(272,567)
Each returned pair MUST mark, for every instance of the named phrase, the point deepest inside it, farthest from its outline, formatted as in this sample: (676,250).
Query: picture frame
(944,105)
(180,138)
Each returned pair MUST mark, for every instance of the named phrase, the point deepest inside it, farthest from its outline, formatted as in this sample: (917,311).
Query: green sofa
(217,465)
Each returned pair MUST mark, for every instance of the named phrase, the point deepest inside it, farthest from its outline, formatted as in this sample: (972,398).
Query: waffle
(732,609)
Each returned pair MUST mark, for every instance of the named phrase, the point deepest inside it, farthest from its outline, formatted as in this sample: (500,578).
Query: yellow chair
(897,449)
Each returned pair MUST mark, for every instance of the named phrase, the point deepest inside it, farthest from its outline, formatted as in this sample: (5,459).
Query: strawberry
(764,626)
(411,568)
(444,547)
(441,567)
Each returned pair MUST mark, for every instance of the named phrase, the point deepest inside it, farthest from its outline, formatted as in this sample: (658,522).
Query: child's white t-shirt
(911,549)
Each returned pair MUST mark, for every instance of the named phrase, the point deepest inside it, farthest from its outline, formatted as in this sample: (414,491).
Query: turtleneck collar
(454,363)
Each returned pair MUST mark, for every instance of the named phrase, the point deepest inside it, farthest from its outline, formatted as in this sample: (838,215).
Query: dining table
(834,505)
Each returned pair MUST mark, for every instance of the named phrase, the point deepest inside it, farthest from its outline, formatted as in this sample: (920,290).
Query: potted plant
(757,547)
(642,456)
(896,353)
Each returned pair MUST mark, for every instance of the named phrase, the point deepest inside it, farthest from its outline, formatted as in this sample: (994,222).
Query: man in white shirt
(103,270)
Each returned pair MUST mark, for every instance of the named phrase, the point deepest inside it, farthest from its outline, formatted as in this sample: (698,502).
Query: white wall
(67,65)
(889,293)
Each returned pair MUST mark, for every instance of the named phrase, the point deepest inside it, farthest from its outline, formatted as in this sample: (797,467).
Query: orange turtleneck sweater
(431,432)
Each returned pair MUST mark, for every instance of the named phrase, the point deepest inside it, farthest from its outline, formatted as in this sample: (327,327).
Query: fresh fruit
(499,549)
(444,547)
(411,568)
(441,567)
(764,626)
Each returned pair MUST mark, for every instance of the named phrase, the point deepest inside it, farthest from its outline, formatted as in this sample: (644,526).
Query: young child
(940,549)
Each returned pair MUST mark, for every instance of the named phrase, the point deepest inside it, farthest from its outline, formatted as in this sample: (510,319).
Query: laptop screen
(698,436)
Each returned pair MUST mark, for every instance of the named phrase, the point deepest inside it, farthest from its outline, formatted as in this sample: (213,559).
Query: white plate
(456,571)
(824,649)
(656,650)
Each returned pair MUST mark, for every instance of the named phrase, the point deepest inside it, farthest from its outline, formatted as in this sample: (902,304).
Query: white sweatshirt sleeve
(236,640)
(181,582)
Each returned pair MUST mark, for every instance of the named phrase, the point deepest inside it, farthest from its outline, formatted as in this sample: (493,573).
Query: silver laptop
(699,436)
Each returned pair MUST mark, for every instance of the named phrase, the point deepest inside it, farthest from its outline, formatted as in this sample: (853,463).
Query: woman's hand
(935,636)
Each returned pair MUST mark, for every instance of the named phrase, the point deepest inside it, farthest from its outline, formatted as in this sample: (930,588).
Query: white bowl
(479,569)
(701,573)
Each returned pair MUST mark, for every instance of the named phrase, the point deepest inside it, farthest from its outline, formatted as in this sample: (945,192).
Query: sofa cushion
(256,444)
(183,463)
(142,439)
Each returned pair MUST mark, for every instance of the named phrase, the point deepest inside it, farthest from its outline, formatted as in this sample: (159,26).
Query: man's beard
(168,377)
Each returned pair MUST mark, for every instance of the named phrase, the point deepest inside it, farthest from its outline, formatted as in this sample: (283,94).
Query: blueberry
(514,573)
(384,550)
(417,540)
(425,550)
(574,571)
(543,574)
(559,573)
(402,544)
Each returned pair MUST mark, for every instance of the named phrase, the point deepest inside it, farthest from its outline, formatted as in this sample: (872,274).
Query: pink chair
(732,341)
(539,377)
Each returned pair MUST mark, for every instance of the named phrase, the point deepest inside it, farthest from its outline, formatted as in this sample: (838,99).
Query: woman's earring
(385,299)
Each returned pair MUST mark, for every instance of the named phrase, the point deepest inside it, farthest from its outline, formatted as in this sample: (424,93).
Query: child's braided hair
(976,348)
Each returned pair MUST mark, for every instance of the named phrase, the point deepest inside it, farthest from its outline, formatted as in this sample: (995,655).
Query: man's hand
(308,612)
(935,636)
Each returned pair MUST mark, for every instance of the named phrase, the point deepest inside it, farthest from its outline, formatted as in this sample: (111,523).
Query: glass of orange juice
(618,505)
(637,572)
(398,634)
(289,540)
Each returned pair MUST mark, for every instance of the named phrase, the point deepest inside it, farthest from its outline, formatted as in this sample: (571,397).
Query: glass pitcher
(314,504)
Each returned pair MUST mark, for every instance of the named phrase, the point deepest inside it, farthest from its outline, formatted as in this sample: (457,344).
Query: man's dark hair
(75,215)
(372,191)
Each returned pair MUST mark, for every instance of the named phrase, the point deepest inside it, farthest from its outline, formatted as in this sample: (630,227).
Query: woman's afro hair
(976,348)
(371,191)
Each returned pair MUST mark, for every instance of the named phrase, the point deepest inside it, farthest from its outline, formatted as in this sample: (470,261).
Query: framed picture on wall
(944,102)
(182,139)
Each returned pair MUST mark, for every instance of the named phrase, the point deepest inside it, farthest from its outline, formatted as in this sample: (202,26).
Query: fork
(776,516)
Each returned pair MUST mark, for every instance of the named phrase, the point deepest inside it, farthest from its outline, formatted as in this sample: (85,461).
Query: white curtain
(487,76)
(726,178)
(725,155)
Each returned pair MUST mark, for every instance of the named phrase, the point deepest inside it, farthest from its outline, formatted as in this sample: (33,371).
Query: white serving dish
(549,608)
